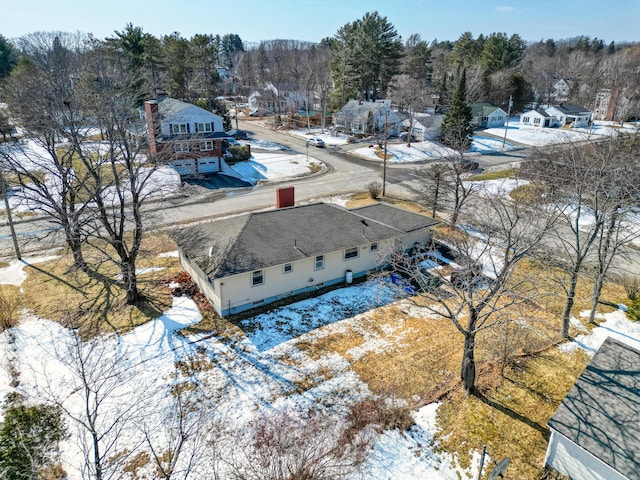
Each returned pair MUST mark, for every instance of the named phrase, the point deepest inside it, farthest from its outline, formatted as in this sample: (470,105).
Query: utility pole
(384,158)
(3,190)
(506,125)
(484,452)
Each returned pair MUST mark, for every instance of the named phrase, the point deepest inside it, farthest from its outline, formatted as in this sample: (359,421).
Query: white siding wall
(192,115)
(198,276)
(238,289)
(568,458)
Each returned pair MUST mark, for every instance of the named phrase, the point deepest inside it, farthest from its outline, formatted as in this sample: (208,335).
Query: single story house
(595,432)
(247,261)
(361,117)
(184,135)
(569,114)
(486,115)
(536,118)
(561,115)
(424,126)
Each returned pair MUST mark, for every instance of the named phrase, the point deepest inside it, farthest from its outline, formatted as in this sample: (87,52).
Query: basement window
(374,247)
(287,267)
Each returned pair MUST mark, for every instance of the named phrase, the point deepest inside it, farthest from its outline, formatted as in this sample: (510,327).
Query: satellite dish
(499,469)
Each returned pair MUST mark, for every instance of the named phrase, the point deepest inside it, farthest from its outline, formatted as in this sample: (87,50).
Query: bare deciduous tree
(481,291)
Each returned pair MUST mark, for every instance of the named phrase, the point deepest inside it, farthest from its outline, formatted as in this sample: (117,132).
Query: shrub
(375,189)
(29,435)
(8,311)
(240,153)
(631,284)
(633,312)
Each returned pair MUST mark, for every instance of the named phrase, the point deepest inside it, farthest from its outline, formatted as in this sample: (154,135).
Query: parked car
(316,142)
(237,134)
(260,112)
(403,136)
(467,166)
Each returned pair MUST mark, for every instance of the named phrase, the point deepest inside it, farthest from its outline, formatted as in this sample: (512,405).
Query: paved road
(345,174)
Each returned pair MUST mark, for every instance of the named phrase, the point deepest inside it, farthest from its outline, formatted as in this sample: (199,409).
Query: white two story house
(184,135)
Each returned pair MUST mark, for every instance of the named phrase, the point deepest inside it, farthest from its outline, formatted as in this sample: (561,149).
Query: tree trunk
(571,297)
(468,368)
(435,197)
(131,283)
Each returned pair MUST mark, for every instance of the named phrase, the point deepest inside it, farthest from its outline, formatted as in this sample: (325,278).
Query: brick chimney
(285,197)
(153,124)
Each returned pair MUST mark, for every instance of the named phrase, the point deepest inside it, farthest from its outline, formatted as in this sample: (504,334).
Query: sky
(313,20)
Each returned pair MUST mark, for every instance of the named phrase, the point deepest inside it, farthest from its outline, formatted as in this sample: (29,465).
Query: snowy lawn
(328,137)
(258,371)
(273,166)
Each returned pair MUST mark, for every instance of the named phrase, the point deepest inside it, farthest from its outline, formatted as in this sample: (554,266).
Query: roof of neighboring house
(572,109)
(601,413)
(168,107)
(264,239)
(482,109)
(539,111)
(359,109)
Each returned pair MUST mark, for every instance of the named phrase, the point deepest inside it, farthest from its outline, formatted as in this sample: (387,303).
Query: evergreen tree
(456,130)
(8,57)
(29,436)
(366,55)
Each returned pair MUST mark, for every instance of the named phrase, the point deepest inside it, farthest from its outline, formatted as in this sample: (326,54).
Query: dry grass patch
(96,299)
(360,200)
(511,418)
(494,175)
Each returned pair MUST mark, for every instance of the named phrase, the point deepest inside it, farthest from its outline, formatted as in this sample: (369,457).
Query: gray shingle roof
(264,239)
(356,109)
(395,217)
(601,413)
(572,109)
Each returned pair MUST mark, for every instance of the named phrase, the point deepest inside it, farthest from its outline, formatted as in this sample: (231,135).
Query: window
(287,267)
(525,119)
(257,278)
(319,262)
(536,121)
(180,147)
(204,127)
(374,247)
(350,253)
(205,146)
(179,128)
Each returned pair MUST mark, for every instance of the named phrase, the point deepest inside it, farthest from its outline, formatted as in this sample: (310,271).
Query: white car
(315,141)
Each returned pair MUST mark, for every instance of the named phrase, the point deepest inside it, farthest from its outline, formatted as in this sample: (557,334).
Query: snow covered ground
(251,377)
(265,166)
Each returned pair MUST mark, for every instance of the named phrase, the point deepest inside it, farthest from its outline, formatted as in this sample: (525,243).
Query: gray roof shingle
(601,413)
(395,217)
(264,239)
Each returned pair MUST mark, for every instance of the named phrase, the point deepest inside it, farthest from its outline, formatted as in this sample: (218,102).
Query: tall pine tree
(456,130)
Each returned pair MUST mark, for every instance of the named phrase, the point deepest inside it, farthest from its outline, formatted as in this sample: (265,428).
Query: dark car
(467,166)
(237,134)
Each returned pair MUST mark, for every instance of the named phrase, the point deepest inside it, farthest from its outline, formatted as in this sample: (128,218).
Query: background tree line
(366,59)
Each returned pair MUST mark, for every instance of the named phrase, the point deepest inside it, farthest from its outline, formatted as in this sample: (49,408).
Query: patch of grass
(511,419)
(4,264)
(315,167)
(96,300)
(380,154)
(494,175)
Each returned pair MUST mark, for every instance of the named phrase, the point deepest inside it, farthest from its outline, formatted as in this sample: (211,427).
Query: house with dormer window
(184,135)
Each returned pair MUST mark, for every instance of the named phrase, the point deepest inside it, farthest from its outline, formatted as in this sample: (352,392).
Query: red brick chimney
(285,197)
(153,124)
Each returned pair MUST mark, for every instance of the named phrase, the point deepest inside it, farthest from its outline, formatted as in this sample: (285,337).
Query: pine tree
(456,130)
